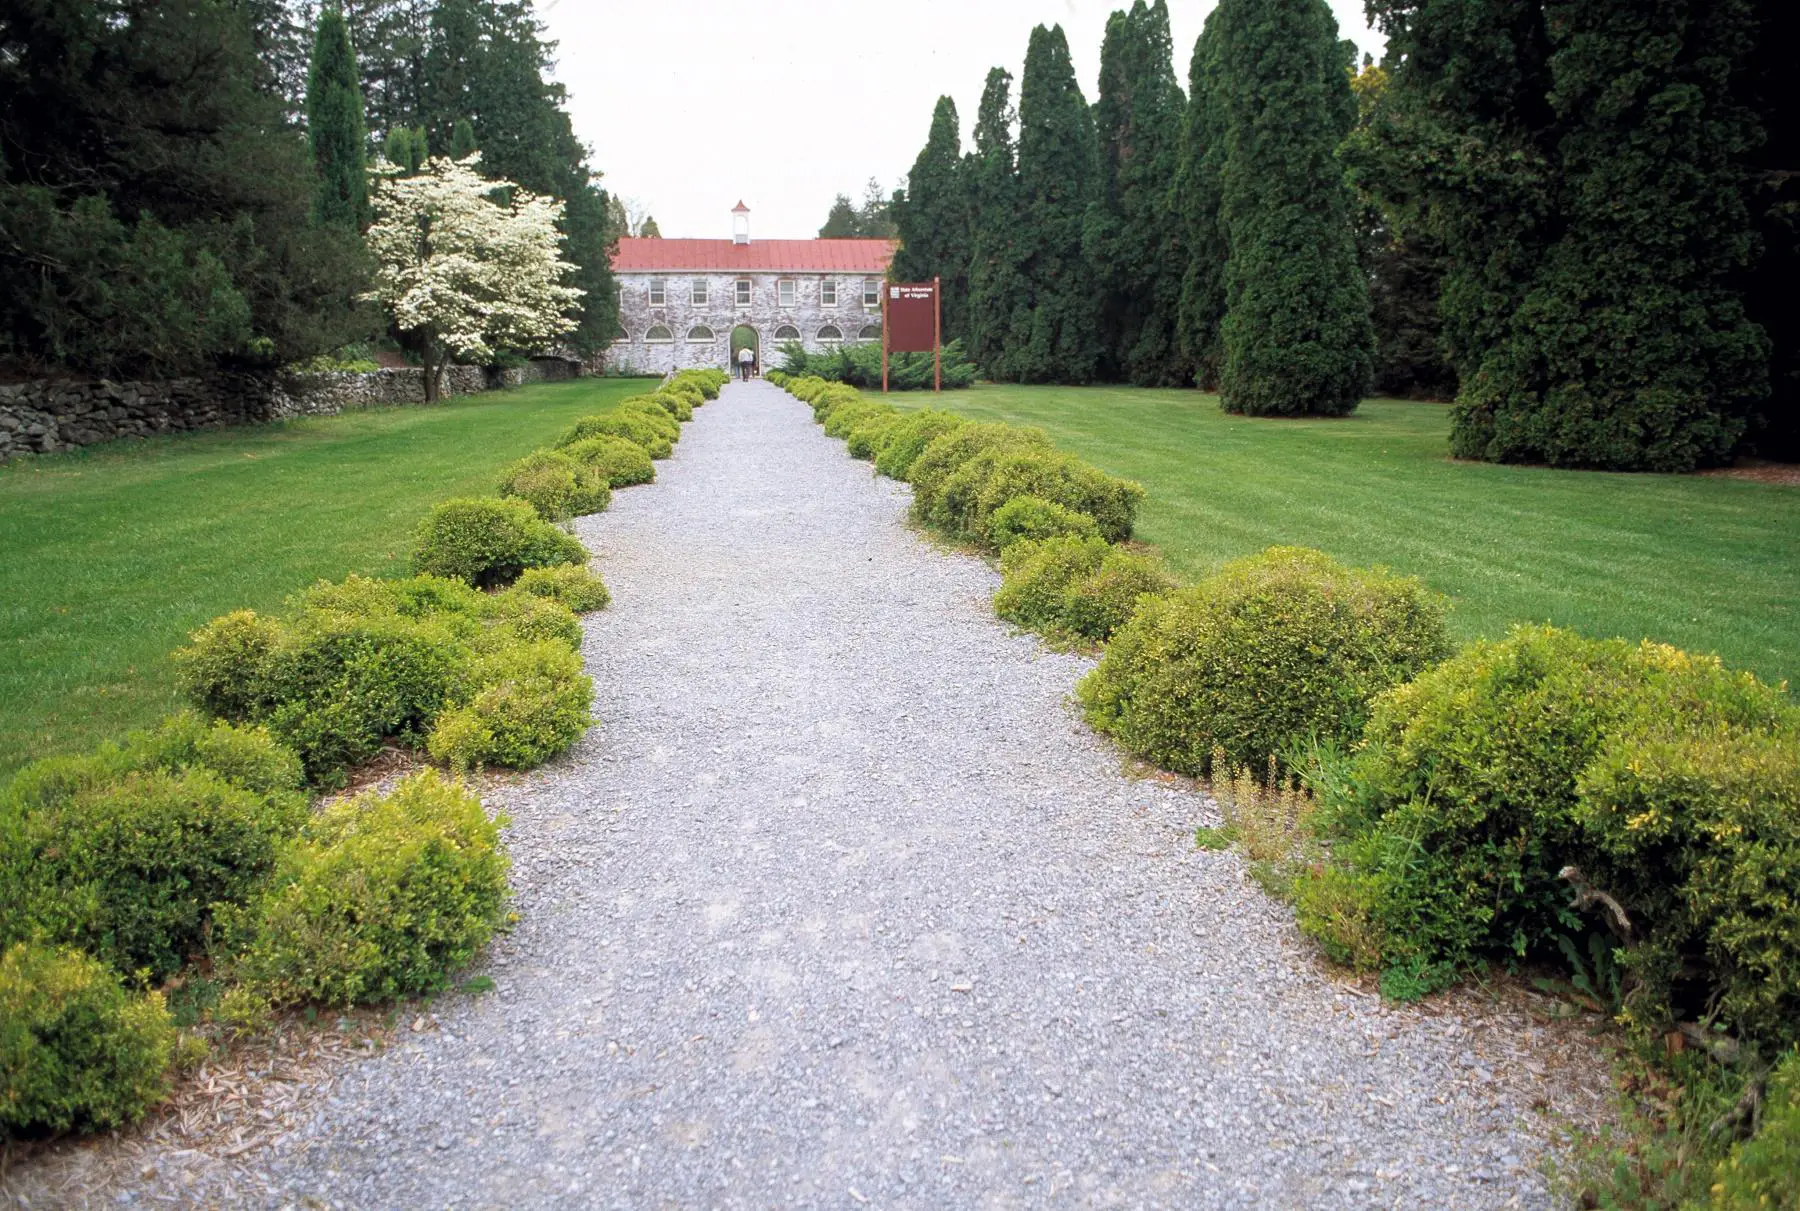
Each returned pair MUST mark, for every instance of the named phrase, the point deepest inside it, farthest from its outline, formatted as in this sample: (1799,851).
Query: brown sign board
(911,324)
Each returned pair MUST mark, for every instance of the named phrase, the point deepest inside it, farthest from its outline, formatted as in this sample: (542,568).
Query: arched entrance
(745,337)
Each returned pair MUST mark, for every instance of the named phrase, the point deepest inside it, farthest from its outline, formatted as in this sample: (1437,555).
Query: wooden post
(884,336)
(937,336)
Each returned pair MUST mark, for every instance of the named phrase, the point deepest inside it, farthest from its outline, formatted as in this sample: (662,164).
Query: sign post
(912,322)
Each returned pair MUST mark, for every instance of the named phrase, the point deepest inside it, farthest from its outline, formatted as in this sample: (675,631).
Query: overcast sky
(690,106)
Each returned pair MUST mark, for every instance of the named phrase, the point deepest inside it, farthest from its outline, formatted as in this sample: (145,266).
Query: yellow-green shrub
(945,454)
(652,410)
(911,433)
(488,541)
(635,427)
(1034,518)
(381,896)
(1268,652)
(77,1052)
(870,435)
(1763,1172)
(831,398)
(970,495)
(847,416)
(534,705)
(707,380)
(622,463)
(557,486)
(577,588)
(1075,587)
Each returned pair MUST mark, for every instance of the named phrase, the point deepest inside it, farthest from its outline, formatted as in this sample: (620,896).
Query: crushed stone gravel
(841,905)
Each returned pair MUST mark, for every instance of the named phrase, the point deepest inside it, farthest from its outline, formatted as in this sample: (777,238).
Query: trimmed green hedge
(557,485)
(911,433)
(575,587)
(1075,588)
(945,454)
(623,463)
(964,501)
(487,541)
(635,427)
(1032,517)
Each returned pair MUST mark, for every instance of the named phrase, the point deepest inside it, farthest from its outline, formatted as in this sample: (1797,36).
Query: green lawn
(110,556)
(1710,564)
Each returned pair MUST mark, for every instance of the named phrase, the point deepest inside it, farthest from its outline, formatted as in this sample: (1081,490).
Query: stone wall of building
(807,318)
(44,416)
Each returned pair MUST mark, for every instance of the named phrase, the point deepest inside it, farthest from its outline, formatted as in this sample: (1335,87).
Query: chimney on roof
(740,223)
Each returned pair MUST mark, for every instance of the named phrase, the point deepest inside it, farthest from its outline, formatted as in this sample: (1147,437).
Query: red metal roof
(769,256)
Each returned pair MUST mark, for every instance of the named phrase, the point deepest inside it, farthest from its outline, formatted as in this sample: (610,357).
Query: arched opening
(659,334)
(745,337)
(699,334)
(830,334)
(787,332)
(870,332)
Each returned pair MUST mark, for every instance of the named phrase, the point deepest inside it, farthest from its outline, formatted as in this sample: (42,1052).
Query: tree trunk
(428,357)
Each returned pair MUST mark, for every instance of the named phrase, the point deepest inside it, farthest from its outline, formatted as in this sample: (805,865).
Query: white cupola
(740,223)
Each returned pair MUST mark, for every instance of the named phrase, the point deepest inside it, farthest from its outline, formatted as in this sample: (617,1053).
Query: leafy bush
(488,541)
(779,377)
(845,417)
(557,486)
(679,399)
(859,365)
(833,397)
(381,896)
(911,433)
(221,671)
(967,499)
(1267,653)
(1763,1172)
(130,868)
(1034,518)
(945,454)
(622,463)
(870,435)
(652,410)
(534,705)
(516,617)
(77,1052)
(1548,770)
(575,587)
(634,427)
(709,381)
(1075,587)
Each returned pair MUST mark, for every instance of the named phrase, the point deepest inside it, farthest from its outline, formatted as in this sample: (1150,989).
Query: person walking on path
(746,359)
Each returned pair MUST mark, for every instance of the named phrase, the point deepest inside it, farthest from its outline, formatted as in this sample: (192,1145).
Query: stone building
(695,302)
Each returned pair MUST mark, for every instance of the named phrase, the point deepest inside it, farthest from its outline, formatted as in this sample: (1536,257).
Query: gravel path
(841,905)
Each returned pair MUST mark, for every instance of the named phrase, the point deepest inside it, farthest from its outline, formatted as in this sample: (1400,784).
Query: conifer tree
(993,229)
(405,149)
(648,229)
(1197,186)
(334,124)
(1057,337)
(933,219)
(840,220)
(1296,337)
(1134,233)
(1581,165)
(462,140)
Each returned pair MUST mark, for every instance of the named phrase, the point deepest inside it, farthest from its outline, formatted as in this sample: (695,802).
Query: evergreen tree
(1773,178)
(454,61)
(1197,201)
(405,148)
(875,217)
(1134,232)
(648,229)
(992,175)
(932,217)
(462,140)
(1057,339)
(334,124)
(1581,166)
(1296,337)
(841,221)
(390,37)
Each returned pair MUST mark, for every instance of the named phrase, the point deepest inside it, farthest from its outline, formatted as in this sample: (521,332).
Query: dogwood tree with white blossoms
(462,273)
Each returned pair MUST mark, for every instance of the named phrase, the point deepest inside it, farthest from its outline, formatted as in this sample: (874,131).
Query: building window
(743,292)
(871,292)
(828,292)
(659,334)
(870,332)
(699,334)
(658,292)
(787,332)
(623,337)
(699,292)
(830,334)
(784,292)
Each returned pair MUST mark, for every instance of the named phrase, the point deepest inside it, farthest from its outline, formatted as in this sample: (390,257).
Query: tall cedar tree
(1296,337)
(156,198)
(840,221)
(390,37)
(992,177)
(1055,337)
(1134,231)
(334,124)
(933,220)
(1196,201)
(1579,164)
(1773,176)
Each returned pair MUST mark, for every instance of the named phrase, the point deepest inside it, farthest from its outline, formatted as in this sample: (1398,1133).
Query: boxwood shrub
(1654,777)
(846,417)
(575,587)
(870,435)
(968,497)
(707,380)
(533,705)
(488,541)
(911,433)
(945,454)
(1267,653)
(635,427)
(1033,517)
(381,896)
(77,1052)
(653,410)
(1075,588)
(623,463)
(1762,1173)
(557,486)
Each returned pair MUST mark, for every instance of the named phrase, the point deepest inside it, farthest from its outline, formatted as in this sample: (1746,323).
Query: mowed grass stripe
(1708,563)
(110,556)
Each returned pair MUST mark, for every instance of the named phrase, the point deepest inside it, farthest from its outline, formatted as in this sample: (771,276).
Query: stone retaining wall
(45,416)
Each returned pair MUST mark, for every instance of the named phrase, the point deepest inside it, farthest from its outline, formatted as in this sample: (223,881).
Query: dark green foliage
(156,200)
(487,541)
(1075,588)
(1270,652)
(1028,518)
(462,140)
(407,149)
(1580,166)
(908,439)
(992,176)
(840,221)
(622,462)
(1665,781)
(334,124)
(1296,338)
(556,485)
(1055,333)
(1134,232)
(859,365)
(382,897)
(873,219)
(1197,199)
(77,1052)
(1766,86)
(932,218)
